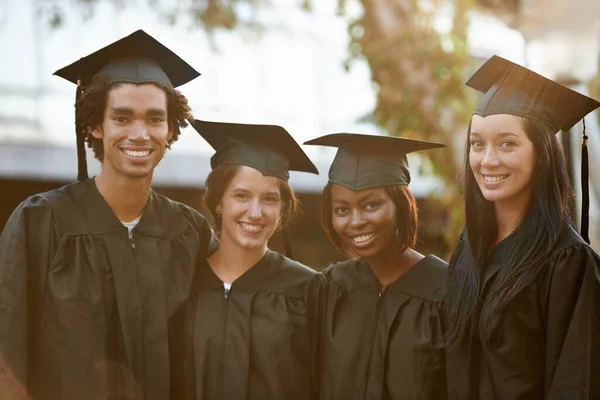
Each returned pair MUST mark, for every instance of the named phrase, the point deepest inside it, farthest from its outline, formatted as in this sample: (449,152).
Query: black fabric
(85,312)
(384,345)
(137,58)
(585,190)
(366,161)
(512,89)
(259,342)
(548,343)
(269,149)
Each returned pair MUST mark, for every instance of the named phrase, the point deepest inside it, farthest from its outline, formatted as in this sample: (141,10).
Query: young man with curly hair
(94,275)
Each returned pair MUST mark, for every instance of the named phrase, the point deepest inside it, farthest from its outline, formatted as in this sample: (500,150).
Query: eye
(157,120)
(508,144)
(340,210)
(271,199)
(476,144)
(240,196)
(120,120)
(371,206)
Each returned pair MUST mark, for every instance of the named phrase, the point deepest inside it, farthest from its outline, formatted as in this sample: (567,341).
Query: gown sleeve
(26,246)
(316,298)
(573,326)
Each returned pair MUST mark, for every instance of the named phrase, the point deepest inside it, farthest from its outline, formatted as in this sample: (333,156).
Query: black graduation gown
(85,313)
(259,342)
(548,343)
(384,345)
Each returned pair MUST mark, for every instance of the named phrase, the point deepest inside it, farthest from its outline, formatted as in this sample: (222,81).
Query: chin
(364,253)
(494,197)
(137,174)
(251,244)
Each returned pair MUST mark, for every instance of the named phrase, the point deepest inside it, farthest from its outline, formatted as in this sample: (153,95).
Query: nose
(139,132)
(357,219)
(254,209)
(490,157)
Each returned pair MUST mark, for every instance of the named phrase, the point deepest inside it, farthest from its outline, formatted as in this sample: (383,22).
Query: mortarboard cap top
(366,161)
(137,58)
(269,149)
(512,89)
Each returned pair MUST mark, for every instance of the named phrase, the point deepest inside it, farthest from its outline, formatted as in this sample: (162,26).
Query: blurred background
(382,67)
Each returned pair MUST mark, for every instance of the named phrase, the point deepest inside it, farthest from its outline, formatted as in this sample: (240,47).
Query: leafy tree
(419,72)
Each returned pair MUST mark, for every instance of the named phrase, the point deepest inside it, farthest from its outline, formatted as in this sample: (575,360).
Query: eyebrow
(122,110)
(129,111)
(336,201)
(369,196)
(361,199)
(244,190)
(502,134)
(156,112)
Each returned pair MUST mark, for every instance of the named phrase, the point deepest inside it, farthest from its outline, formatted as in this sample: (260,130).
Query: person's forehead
(497,123)
(340,192)
(129,94)
(249,178)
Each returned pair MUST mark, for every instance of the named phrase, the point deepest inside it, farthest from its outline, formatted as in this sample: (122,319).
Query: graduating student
(256,311)
(523,286)
(383,324)
(93,274)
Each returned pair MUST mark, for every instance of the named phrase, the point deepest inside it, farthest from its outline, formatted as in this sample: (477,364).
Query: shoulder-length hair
(407,218)
(220,177)
(534,238)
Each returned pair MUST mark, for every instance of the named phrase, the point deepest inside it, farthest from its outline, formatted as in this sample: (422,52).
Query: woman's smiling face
(365,220)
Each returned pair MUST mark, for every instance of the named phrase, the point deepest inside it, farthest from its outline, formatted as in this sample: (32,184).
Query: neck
(508,217)
(231,261)
(390,265)
(127,197)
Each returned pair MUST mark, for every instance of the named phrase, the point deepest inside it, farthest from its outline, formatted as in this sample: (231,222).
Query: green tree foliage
(418,72)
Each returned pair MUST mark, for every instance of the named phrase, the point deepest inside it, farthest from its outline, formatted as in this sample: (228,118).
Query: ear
(218,210)
(171,132)
(97,133)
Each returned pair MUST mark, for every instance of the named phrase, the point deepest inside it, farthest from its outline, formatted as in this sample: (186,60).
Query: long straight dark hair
(534,238)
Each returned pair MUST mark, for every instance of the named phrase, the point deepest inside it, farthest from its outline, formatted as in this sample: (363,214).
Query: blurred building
(282,66)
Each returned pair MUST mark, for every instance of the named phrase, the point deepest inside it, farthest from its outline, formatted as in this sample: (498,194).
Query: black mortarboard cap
(269,149)
(365,161)
(137,58)
(512,89)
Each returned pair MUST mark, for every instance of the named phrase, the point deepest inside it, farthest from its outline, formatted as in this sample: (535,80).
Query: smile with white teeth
(494,178)
(363,238)
(254,228)
(136,153)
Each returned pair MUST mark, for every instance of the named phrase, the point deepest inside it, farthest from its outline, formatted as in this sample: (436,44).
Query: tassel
(585,190)
(82,172)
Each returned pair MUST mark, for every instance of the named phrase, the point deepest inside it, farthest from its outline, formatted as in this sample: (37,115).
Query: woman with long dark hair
(383,317)
(523,291)
(254,329)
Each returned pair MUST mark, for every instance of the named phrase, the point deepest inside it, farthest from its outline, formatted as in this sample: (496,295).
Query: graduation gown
(85,312)
(384,345)
(259,341)
(548,343)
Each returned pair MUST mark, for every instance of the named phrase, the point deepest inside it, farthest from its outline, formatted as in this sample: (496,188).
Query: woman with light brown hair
(255,310)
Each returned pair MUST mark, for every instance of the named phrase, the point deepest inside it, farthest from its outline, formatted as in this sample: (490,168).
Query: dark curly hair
(218,180)
(90,111)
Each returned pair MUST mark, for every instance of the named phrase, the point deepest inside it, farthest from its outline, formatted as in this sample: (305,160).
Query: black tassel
(287,243)
(585,190)
(82,172)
